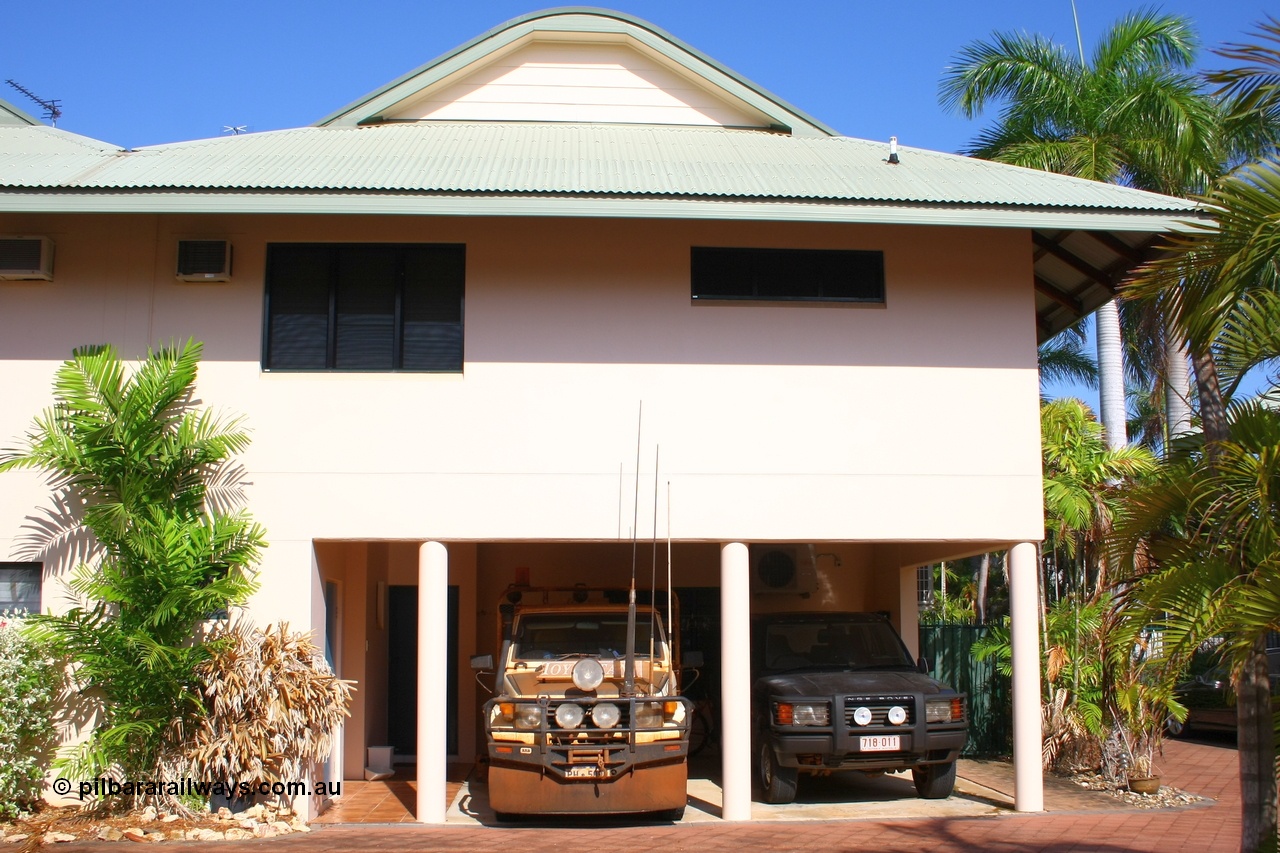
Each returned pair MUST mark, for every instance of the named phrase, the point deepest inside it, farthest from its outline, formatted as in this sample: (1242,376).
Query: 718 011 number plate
(880,743)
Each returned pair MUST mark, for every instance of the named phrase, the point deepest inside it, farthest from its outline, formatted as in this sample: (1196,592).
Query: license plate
(586,772)
(880,743)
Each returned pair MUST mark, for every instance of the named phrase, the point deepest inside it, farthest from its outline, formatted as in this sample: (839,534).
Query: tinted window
(787,275)
(364,307)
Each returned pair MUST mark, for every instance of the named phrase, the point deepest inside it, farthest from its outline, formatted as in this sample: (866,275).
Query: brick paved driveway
(1208,769)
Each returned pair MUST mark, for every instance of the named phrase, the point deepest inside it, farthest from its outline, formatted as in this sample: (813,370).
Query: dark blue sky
(154,71)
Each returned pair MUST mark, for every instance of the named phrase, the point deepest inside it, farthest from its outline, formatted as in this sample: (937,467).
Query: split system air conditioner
(204,260)
(26,259)
(783,569)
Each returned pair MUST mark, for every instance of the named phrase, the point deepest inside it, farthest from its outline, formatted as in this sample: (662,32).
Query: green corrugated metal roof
(11,115)
(557,159)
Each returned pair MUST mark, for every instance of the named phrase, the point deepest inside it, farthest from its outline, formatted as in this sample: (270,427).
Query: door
(402,675)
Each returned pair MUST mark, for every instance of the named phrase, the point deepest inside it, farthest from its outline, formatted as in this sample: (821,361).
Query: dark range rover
(839,691)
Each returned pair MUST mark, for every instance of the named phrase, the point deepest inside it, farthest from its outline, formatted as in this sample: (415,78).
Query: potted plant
(1143,702)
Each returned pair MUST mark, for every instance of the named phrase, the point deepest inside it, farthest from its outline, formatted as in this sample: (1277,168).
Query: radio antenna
(52,109)
(653,571)
(671,607)
(629,683)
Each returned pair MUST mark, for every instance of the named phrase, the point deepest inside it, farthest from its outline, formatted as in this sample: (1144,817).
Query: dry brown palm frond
(273,705)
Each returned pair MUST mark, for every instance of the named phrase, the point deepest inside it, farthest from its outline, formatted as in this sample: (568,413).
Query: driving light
(569,716)
(897,715)
(606,715)
(588,674)
(862,716)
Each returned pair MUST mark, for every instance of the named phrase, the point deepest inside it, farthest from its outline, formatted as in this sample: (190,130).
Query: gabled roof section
(579,65)
(11,115)
(39,155)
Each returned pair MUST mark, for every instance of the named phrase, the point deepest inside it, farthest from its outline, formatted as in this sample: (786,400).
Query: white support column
(735,680)
(1024,611)
(433,673)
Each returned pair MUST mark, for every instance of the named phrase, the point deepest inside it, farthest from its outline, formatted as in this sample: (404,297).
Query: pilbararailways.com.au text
(231,789)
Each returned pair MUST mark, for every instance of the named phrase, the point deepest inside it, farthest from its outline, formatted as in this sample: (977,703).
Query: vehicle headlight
(588,674)
(528,716)
(606,715)
(503,714)
(808,714)
(946,710)
(569,715)
(649,715)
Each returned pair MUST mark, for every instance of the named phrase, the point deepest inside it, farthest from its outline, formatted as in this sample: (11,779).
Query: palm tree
(1131,115)
(1062,359)
(1081,498)
(132,456)
(1213,527)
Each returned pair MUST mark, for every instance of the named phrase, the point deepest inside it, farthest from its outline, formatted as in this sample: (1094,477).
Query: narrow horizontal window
(787,275)
(364,307)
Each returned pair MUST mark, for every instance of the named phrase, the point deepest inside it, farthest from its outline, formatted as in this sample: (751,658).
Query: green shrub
(30,681)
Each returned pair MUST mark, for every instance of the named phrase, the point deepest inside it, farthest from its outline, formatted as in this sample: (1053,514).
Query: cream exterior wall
(915,422)
(894,435)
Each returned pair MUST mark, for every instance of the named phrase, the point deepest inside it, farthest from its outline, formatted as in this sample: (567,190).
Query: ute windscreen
(560,636)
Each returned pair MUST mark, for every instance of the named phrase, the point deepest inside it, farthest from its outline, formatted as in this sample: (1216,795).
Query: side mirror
(692,660)
(923,665)
(481,663)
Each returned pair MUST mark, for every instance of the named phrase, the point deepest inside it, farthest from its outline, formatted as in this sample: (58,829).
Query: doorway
(402,671)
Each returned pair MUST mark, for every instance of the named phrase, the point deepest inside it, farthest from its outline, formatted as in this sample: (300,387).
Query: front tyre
(934,781)
(778,782)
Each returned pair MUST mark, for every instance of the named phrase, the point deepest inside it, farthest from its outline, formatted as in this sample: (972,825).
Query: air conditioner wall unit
(204,260)
(781,569)
(26,258)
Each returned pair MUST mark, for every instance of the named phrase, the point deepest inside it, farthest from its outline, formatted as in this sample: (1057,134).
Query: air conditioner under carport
(783,569)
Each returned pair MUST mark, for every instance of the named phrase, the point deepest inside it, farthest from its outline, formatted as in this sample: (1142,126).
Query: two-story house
(442,308)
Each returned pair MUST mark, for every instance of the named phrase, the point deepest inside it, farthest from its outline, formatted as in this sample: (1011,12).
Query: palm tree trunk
(1255,744)
(984,572)
(1257,754)
(1213,412)
(1111,375)
(1177,387)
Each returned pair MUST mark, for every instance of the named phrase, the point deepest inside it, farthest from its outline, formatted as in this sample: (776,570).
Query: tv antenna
(52,109)
(235,129)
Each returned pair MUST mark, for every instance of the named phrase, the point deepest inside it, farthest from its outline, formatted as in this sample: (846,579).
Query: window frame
(778,259)
(331,316)
(38,570)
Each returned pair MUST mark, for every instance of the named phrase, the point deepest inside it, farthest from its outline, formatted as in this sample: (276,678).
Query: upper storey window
(788,275)
(364,307)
